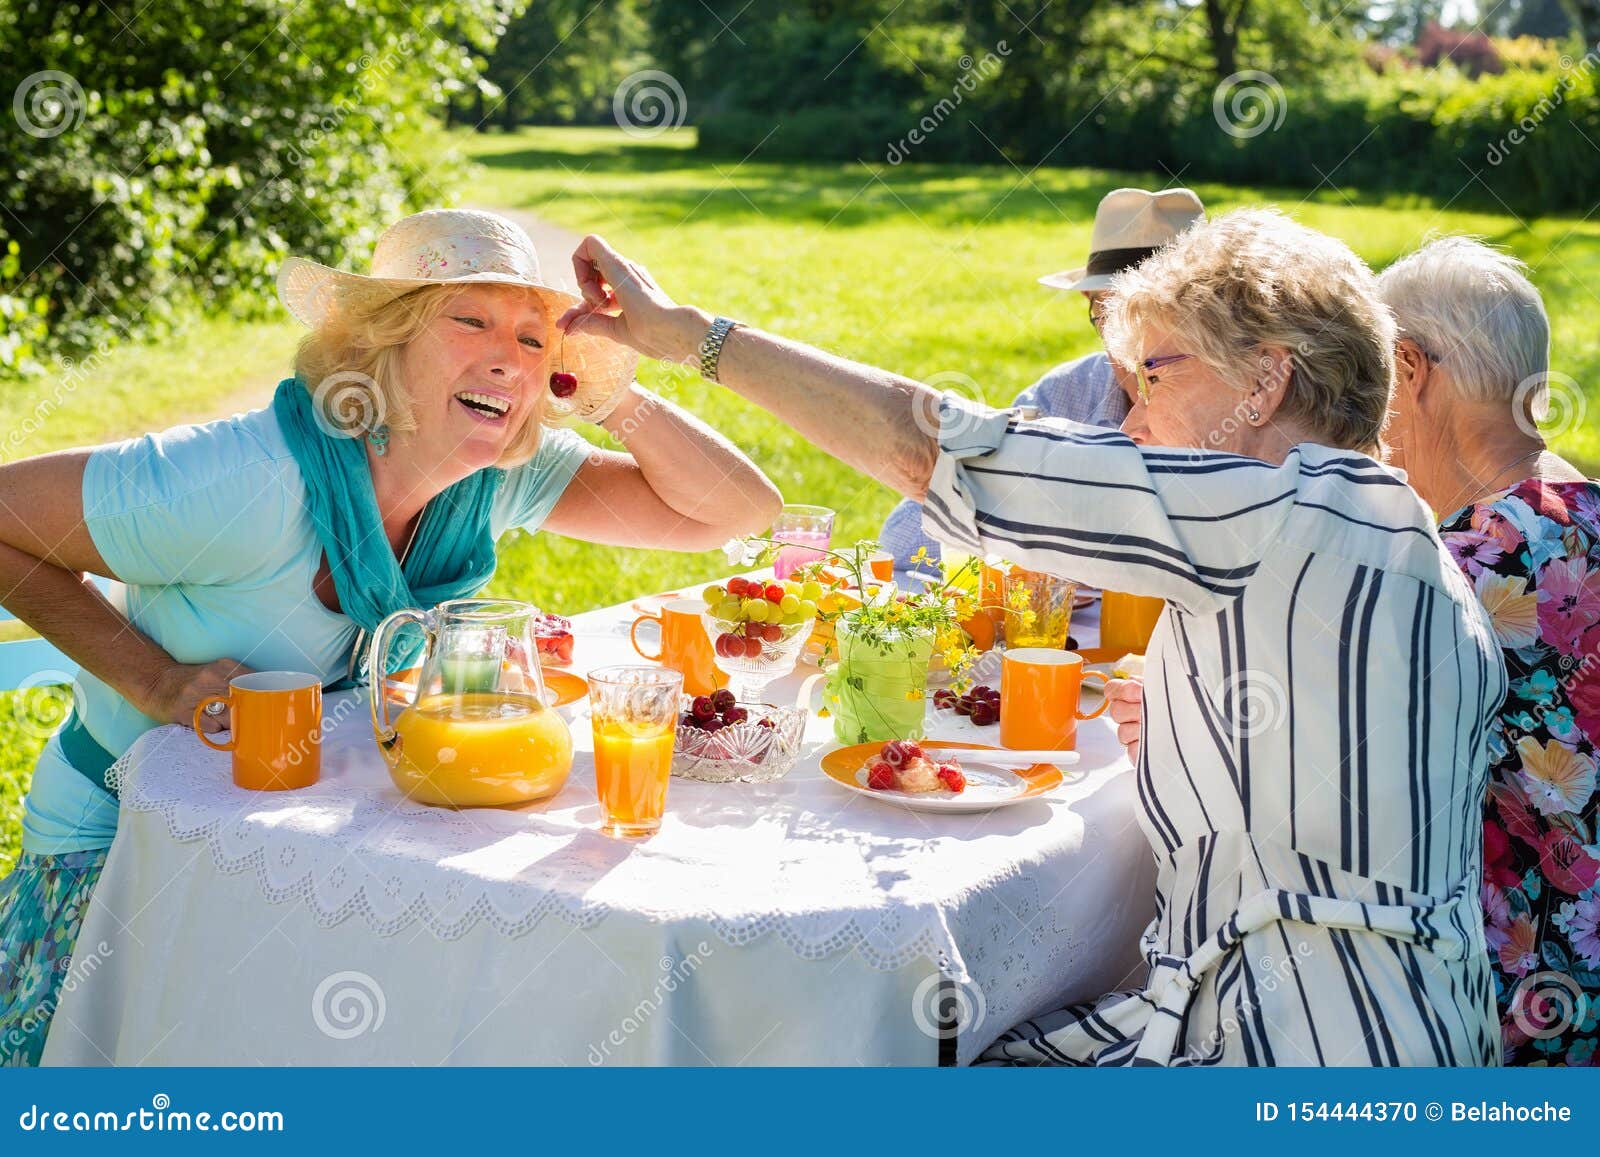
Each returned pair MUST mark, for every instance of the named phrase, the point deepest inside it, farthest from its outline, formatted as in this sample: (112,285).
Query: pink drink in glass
(808,547)
(809,530)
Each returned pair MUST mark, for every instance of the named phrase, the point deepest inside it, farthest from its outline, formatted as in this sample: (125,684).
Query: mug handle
(633,637)
(1105,700)
(200,709)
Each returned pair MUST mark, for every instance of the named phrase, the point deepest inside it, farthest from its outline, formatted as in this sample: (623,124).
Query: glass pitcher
(478,730)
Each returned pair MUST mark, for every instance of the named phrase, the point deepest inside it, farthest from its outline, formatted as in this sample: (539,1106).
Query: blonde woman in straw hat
(1129,226)
(425,418)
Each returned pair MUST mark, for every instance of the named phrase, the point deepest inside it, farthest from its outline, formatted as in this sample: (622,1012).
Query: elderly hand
(622,302)
(1126,697)
(183,685)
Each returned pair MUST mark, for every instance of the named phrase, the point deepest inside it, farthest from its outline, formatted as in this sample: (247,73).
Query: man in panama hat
(1129,225)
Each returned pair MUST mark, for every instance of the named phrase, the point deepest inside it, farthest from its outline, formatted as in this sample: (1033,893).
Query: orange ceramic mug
(276,729)
(1128,621)
(684,644)
(1039,689)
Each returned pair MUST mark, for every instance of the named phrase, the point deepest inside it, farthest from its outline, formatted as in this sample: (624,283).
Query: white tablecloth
(787,923)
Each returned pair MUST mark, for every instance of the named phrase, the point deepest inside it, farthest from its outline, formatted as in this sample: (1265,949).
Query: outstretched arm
(880,423)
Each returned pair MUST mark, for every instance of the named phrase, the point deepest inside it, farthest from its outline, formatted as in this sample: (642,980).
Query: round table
(785,923)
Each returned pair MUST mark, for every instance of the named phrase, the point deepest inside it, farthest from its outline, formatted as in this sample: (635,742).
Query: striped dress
(1313,767)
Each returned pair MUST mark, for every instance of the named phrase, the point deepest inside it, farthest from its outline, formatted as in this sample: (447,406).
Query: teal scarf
(451,557)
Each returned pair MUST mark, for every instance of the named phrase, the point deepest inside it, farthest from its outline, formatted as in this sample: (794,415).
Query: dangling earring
(378,439)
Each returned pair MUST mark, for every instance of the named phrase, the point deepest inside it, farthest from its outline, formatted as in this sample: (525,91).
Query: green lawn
(927,270)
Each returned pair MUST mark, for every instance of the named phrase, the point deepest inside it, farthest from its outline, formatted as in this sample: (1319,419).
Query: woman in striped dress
(1319,691)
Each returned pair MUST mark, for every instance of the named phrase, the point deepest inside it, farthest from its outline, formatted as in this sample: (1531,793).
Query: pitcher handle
(802,697)
(381,638)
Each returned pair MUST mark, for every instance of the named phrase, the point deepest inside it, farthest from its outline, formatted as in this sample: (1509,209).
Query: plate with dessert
(944,775)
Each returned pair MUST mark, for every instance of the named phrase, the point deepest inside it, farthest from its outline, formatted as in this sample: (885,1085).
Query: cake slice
(903,766)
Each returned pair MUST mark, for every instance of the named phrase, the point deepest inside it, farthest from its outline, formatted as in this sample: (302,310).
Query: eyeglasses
(1097,315)
(1149,364)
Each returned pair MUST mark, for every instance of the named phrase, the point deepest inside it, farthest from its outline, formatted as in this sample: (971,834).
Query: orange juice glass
(1039,688)
(685,646)
(1128,621)
(635,716)
(275,729)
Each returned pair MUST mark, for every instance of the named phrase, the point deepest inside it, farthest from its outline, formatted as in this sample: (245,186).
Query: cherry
(735,715)
(984,713)
(702,708)
(563,384)
(723,700)
(774,593)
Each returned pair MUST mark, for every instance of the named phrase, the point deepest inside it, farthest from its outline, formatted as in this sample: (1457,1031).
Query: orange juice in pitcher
(480,732)
(482,749)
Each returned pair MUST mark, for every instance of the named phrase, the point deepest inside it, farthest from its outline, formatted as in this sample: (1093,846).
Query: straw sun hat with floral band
(459,247)
(1129,225)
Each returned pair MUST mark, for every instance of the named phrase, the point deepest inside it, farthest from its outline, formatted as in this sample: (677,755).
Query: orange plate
(842,765)
(560,687)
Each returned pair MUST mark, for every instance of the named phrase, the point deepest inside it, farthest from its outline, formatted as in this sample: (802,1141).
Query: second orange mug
(275,729)
(1039,688)
(684,644)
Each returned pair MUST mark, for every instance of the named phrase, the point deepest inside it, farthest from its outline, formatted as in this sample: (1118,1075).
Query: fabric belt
(84,752)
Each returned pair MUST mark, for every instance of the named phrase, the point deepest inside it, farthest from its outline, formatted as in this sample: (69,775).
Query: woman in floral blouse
(1472,371)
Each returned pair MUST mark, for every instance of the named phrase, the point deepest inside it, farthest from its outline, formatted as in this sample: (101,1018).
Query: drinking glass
(635,714)
(807,531)
(1038,609)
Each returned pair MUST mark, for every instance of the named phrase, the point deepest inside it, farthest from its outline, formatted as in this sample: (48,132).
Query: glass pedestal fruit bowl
(720,740)
(757,630)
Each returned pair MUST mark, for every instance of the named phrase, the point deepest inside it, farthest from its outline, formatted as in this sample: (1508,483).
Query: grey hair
(1472,308)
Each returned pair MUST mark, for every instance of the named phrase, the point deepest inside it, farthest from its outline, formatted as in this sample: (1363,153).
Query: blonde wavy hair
(351,367)
(1255,278)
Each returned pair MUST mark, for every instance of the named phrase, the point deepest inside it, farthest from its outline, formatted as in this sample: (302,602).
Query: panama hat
(462,247)
(1129,225)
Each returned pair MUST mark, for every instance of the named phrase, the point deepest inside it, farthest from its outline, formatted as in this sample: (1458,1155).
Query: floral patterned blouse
(1533,554)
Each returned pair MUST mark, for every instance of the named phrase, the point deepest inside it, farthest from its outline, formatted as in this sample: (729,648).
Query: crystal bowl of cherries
(720,739)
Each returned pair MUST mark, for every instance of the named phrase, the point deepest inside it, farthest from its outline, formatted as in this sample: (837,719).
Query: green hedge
(173,153)
(1516,140)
